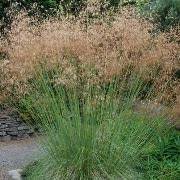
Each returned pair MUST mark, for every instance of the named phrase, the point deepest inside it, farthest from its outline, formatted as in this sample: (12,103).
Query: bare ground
(17,154)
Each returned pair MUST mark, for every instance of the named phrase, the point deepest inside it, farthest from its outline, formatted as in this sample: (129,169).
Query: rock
(11,125)
(4,117)
(3,133)
(15,124)
(12,129)
(23,128)
(14,133)
(5,138)
(3,122)
(2,126)
(15,174)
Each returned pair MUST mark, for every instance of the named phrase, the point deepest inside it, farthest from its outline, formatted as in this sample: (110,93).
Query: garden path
(17,154)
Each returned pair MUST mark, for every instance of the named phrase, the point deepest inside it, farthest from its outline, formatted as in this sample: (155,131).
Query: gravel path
(16,154)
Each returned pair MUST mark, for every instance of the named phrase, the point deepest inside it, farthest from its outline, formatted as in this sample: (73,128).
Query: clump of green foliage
(164,12)
(91,131)
(163,161)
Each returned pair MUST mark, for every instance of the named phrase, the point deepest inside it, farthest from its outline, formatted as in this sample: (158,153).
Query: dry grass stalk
(108,48)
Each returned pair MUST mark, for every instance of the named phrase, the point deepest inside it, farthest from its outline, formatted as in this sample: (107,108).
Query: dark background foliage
(166,13)
(43,7)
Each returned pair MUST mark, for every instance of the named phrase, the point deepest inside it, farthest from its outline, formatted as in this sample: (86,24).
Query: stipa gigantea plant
(93,134)
(110,43)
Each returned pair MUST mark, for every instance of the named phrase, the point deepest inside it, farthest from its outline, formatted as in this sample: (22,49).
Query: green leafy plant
(163,161)
(164,12)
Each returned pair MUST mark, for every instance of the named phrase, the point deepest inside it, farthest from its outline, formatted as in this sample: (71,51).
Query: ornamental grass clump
(91,131)
(106,44)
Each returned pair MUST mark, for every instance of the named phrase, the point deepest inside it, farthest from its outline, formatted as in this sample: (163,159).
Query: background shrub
(165,12)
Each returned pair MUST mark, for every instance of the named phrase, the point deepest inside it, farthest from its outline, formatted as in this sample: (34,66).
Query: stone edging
(15,174)
(13,128)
